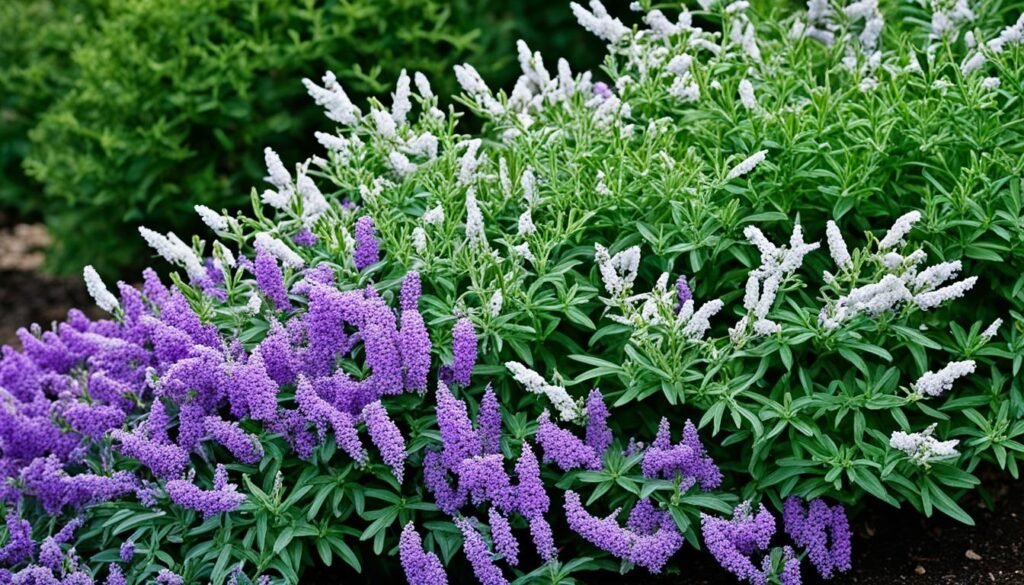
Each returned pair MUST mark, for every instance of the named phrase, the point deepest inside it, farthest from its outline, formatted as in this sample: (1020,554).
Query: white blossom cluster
(904,281)
(568,408)
(819,26)
(98,290)
(936,383)
(278,249)
(659,307)
(777,262)
(212,219)
(923,448)
(334,100)
(598,22)
(948,17)
(746,165)
(619,271)
(172,249)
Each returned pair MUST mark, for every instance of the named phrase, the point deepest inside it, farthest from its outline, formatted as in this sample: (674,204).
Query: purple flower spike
(115,576)
(463,350)
(409,298)
(386,437)
(270,279)
(599,436)
(305,238)
(321,414)
(604,533)
(165,461)
(244,447)
(458,438)
(791,568)
(20,545)
(543,541)
(732,542)
(253,387)
(414,345)
(367,249)
(435,478)
(166,577)
(531,499)
(484,479)
(223,498)
(421,567)
(683,292)
(601,89)
(823,530)
(650,551)
(479,555)
(127,551)
(489,421)
(505,542)
(563,448)
(687,460)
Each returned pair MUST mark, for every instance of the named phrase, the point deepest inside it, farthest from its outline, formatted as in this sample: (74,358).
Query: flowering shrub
(663,310)
(108,125)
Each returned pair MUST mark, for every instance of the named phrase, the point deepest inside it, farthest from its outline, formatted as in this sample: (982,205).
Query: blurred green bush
(122,112)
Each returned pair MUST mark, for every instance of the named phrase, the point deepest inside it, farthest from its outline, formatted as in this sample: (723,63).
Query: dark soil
(902,547)
(26,294)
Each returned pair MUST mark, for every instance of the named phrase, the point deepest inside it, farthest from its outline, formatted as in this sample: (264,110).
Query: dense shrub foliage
(749,280)
(124,112)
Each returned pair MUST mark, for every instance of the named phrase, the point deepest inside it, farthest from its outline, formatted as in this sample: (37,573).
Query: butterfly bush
(664,305)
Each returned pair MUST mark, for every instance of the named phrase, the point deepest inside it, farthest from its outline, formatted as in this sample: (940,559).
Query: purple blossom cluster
(470,469)
(270,279)
(686,460)
(563,448)
(823,531)
(162,388)
(421,567)
(71,388)
(648,540)
(367,250)
(734,542)
(224,497)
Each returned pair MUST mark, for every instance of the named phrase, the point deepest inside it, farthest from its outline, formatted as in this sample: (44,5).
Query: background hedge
(122,112)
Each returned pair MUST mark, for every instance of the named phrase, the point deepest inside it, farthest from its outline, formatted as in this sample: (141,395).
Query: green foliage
(140,109)
(792,396)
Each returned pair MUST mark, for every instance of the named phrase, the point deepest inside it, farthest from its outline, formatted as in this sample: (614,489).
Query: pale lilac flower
(922,447)
(598,22)
(333,99)
(936,383)
(837,245)
(992,330)
(899,230)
